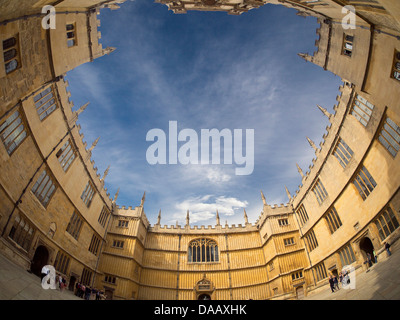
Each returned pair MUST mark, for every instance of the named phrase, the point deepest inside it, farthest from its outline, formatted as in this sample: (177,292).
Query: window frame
(73,37)
(41,184)
(203,250)
(396,60)
(16,57)
(21,136)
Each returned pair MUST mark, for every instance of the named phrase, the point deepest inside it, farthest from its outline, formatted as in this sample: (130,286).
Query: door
(300,292)
(39,260)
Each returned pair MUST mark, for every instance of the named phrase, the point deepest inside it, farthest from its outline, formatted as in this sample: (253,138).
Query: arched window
(203,250)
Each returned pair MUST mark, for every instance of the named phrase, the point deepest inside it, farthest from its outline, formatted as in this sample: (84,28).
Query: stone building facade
(54,208)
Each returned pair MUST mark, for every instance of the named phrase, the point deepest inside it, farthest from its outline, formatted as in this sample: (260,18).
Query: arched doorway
(71,285)
(366,247)
(109,293)
(39,260)
(204,296)
(300,292)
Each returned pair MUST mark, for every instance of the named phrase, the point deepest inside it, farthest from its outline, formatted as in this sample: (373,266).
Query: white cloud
(204,208)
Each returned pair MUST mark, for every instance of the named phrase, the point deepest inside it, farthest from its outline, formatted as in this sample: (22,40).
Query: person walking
(387,247)
(88,291)
(335,282)
(375,256)
(369,261)
(332,283)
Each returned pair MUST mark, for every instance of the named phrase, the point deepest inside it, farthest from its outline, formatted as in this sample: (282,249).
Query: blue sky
(204,70)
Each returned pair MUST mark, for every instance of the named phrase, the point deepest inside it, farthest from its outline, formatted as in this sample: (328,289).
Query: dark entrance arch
(366,247)
(204,296)
(39,260)
(71,285)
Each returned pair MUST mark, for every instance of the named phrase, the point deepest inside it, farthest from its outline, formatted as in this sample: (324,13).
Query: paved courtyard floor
(18,284)
(381,282)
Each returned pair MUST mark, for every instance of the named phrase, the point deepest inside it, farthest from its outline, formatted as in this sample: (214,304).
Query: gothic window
(66,155)
(396,66)
(94,244)
(21,233)
(44,188)
(13,131)
(10,54)
(319,191)
(86,276)
(364,183)
(203,250)
(343,153)
(347,255)
(362,110)
(302,213)
(62,262)
(45,103)
(333,220)
(74,225)
(311,240)
(321,271)
(386,223)
(390,136)
(103,217)
(87,194)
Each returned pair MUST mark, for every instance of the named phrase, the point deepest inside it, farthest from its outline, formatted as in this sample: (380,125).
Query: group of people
(343,279)
(86,292)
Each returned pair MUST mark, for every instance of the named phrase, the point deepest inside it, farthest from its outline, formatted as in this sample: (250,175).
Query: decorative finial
(263,198)
(187,218)
(143,198)
(288,193)
(116,196)
(305,56)
(81,109)
(94,144)
(105,173)
(300,171)
(324,111)
(312,144)
(159,218)
(246,220)
(108,50)
(218,223)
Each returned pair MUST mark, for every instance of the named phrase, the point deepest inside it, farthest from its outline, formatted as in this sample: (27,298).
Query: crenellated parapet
(78,138)
(201,230)
(328,143)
